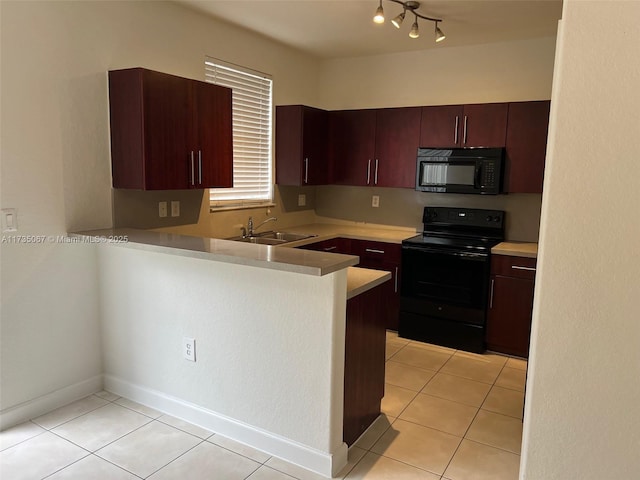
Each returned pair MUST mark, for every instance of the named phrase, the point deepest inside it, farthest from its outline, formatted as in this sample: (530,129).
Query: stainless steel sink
(272,238)
(285,236)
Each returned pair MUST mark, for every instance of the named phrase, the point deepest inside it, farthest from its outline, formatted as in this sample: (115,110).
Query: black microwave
(460,170)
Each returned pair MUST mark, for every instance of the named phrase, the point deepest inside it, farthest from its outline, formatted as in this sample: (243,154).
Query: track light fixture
(412,7)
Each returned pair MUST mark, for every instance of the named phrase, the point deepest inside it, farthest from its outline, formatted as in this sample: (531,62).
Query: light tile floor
(448,415)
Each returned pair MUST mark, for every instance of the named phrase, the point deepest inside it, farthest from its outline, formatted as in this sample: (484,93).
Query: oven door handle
(464,255)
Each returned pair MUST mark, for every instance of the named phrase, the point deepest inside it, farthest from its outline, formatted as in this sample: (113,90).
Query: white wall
(582,417)
(269,345)
(496,72)
(56,163)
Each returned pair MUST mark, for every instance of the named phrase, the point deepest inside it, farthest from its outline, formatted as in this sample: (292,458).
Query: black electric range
(445,277)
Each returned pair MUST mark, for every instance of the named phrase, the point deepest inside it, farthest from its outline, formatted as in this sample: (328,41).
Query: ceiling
(344,28)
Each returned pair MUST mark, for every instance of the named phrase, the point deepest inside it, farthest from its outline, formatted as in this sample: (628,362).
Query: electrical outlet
(302,200)
(189,348)
(162,209)
(175,209)
(375,201)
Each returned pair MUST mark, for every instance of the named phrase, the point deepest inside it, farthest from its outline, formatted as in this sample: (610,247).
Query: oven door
(443,283)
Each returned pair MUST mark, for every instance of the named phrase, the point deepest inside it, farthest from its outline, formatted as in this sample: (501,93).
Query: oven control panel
(463,217)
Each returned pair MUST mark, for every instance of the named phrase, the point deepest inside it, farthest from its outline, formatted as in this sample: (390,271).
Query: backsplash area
(403,207)
(397,207)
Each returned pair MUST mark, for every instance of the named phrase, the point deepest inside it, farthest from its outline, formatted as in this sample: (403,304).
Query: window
(251,111)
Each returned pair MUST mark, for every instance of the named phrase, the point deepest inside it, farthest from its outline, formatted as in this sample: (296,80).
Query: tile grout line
(179,456)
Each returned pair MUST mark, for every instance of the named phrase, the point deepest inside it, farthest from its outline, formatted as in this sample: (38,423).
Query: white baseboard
(46,403)
(323,463)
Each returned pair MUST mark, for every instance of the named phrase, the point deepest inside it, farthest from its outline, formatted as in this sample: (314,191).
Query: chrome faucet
(251,228)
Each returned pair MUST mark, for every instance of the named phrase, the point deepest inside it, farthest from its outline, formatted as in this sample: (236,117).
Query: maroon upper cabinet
(302,154)
(526,146)
(352,136)
(375,147)
(213,161)
(440,126)
(169,132)
(475,125)
(397,141)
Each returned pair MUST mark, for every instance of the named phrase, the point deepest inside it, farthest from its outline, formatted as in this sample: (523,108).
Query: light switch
(9,220)
(302,200)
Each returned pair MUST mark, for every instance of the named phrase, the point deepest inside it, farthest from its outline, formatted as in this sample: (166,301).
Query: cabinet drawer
(334,245)
(371,250)
(508,266)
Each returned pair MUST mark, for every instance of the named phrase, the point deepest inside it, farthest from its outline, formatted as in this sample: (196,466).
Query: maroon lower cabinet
(510,304)
(334,245)
(383,256)
(365,338)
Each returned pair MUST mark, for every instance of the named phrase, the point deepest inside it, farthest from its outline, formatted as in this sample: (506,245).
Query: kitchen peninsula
(270,326)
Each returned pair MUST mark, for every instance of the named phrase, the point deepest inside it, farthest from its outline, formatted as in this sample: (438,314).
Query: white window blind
(251,111)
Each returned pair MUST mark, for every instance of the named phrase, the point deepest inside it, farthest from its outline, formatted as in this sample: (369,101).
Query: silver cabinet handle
(528,269)
(369,172)
(328,249)
(464,135)
(375,175)
(306,170)
(193,175)
(373,250)
(491,294)
(199,167)
(395,288)
(455,130)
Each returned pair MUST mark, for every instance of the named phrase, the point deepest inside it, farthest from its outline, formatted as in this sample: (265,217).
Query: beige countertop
(516,249)
(264,256)
(359,280)
(326,231)
(308,262)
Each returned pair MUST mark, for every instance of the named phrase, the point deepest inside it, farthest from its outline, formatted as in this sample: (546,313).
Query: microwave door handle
(476,179)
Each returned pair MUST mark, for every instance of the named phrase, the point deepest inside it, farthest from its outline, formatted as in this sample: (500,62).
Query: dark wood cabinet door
(302,153)
(510,304)
(484,125)
(397,141)
(383,256)
(509,316)
(289,162)
(168,132)
(167,136)
(526,143)
(364,363)
(315,151)
(213,137)
(352,143)
(441,126)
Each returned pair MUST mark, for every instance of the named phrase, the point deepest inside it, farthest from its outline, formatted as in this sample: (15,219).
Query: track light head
(414,33)
(379,16)
(398,20)
(439,35)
